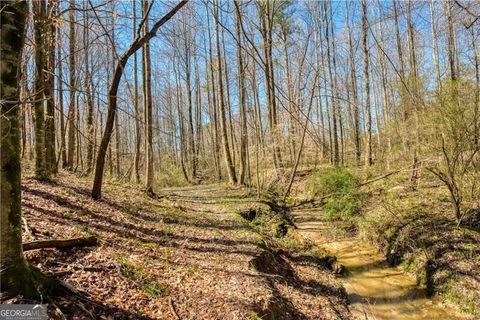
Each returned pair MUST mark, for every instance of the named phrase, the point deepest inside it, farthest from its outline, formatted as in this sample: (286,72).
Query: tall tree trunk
(188,88)
(228,101)
(79,158)
(198,113)
(23,97)
(88,93)
(211,105)
(148,105)
(72,89)
(42,169)
(118,154)
(216,147)
(266,17)
(385,96)
(223,121)
(333,82)
(50,151)
(138,137)
(451,41)
(63,146)
(368,112)
(16,275)
(179,105)
(353,79)
(414,71)
(256,104)
(476,114)
(242,98)
(291,105)
(398,39)
(318,99)
(326,93)
(435,55)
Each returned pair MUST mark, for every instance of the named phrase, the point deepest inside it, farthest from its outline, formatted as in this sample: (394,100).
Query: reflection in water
(375,290)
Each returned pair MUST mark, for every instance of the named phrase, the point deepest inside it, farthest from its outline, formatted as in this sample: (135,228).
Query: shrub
(339,187)
(170,176)
(455,127)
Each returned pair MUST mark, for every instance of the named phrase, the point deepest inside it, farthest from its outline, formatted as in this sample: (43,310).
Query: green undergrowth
(337,188)
(170,176)
(135,271)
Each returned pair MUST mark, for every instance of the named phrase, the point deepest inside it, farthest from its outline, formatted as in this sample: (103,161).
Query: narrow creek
(375,290)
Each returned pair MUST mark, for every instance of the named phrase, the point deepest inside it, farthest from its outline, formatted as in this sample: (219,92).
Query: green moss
(130,269)
(465,303)
(146,245)
(155,289)
(469,308)
(408,265)
(69,213)
(84,229)
(254,316)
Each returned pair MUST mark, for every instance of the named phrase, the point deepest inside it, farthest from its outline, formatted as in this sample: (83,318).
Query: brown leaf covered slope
(184,256)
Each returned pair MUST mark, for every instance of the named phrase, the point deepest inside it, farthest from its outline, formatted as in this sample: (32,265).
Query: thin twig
(172,308)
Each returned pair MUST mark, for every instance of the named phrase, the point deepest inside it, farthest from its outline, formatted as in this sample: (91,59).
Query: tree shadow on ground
(78,307)
(271,262)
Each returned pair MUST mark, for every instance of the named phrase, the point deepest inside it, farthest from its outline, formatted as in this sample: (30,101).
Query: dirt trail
(375,290)
(312,291)
(186,254)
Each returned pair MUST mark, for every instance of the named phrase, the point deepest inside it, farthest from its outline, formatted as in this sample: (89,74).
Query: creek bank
(274,222)
(414,230)
(286,258)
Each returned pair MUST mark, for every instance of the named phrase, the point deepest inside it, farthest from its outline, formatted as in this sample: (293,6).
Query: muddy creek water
(375,290)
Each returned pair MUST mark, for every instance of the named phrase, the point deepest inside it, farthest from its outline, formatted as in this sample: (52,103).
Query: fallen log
(60,243)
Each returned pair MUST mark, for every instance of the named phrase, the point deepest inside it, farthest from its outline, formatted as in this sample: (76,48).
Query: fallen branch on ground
(28,231)
(60,243)
(174,311)
(416,163)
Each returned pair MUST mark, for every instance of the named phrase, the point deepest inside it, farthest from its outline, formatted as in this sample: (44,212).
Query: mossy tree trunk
(42,170)
(17,278)
(50,32)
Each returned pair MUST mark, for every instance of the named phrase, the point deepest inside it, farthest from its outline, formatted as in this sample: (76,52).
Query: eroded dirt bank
(375,290)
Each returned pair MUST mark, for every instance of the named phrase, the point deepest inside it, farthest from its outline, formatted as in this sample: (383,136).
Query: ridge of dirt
(184,256)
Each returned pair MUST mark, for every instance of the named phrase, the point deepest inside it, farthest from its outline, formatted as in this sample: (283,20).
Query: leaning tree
(137,43)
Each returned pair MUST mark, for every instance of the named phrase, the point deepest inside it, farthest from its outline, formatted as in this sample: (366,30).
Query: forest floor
(187,255)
